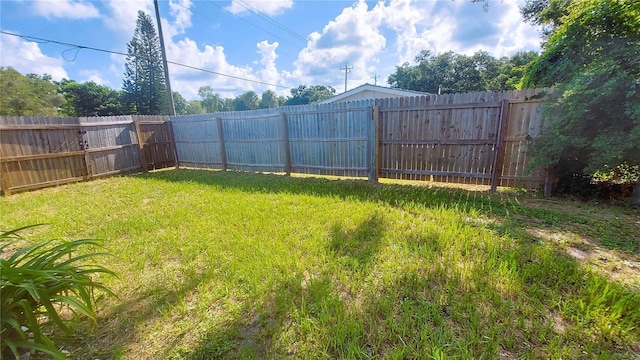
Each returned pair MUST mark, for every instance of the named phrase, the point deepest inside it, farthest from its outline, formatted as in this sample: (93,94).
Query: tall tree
(144,85)
(28,95)
(181,104)
(449,72)
(310,94)
(211,102)
(546,13)
(89,99)
(246,101)
(592,59)
(271,100)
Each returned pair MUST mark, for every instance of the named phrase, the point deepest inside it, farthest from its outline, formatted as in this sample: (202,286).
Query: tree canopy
(449,72)
(144,84)
(303,95)
(29,94)
(592,58)
(89,99)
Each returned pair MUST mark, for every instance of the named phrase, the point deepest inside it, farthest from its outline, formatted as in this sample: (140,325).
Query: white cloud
(212,58)
(26,57)
(268,56)
(465,28)
(354,37)
(67,9)
(181,11)
(122,15)
(270,7)
(92,75)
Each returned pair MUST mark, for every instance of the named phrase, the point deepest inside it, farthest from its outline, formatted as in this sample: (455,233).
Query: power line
(271,20)
(254,25)
(80,47)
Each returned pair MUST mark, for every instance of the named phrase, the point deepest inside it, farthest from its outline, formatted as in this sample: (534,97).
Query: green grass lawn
(235,266)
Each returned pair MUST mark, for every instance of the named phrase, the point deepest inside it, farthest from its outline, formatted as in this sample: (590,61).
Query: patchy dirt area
(617,265)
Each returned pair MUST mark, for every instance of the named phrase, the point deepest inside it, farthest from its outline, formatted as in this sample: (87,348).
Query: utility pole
(164,58)
(346,69)
(375,79)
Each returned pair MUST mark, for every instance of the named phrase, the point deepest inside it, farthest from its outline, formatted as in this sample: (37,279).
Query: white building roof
(368,91)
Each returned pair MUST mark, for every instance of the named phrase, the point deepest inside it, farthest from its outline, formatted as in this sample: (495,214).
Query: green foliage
(271,100)
(37,280)
(28,95)
(213,102)
(594,115)
(89,99)
(180,103)
(195,107)
(246,101)
(144,84)
(303,95)
(546,13)
(450,72)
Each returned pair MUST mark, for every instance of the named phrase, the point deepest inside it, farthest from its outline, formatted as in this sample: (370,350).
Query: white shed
(368,91)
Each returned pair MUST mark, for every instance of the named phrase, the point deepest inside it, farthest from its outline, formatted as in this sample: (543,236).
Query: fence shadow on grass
(119,329)
(550,307)
(507,205)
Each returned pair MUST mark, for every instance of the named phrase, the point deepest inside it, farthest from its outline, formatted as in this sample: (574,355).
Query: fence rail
(476,138)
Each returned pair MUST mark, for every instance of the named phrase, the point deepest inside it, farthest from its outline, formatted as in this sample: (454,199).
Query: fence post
(223,150)
(548,182)
(141,157)
(287,145)
(374,139)
(172,137)
(498,153)
(4,179)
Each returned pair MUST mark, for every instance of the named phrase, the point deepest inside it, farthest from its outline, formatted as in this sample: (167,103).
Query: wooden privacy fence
(329,139)
(476,138)
(37,152)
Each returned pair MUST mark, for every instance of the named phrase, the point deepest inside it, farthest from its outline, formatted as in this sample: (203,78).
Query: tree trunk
(635,197)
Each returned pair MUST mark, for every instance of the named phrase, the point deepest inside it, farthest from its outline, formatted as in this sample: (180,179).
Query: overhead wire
(80,47)
(271,20)
(254,25)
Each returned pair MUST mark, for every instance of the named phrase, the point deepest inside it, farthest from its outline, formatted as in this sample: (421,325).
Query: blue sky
(282,42)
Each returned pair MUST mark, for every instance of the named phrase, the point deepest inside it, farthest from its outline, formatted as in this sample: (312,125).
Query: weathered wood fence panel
(156,142)
(330,139)
(37,152)
(254,142)
(111,145)
(438,139)
(198,141)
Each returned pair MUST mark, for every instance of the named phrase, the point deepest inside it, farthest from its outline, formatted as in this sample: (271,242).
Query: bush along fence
(37,152)
(478,138)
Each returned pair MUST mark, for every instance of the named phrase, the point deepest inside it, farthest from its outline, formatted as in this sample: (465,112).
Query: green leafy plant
(38,281)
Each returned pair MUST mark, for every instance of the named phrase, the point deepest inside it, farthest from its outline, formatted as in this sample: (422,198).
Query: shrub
(38,280)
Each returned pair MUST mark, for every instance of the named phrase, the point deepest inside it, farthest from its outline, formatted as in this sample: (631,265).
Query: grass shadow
(615,232)
(120,327)
(357,247)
